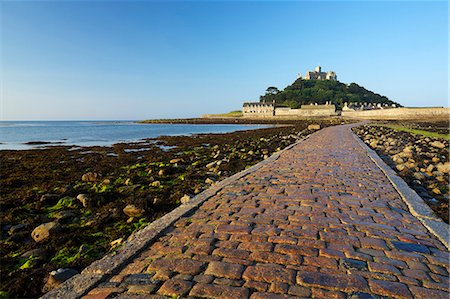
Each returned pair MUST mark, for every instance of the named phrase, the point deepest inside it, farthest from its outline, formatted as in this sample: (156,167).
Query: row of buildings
(258,109)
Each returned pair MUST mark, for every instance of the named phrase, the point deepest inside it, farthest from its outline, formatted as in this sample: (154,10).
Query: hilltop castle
(317,74)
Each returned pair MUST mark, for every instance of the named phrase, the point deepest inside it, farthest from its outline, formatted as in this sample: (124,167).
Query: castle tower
(318,69)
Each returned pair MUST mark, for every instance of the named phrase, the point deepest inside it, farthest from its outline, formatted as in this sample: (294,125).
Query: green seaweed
(67,256)
(418,132)
(65,202)
(27,263)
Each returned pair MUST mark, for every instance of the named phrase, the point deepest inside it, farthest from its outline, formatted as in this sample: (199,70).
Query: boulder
(44,231)
(437,144)
(57,277)
(16,228)
(185,199)
(90,177)
(155,184)
(444,168)
(397,159)
(418,175)
(133,211)
(116,242)
(436,191)
(38,254)
(435,160)
(211,165)
(313,127)
(176,160)
(64,214)
(210,181)
(400,167)
(161,172)
(405,154)
(85,200)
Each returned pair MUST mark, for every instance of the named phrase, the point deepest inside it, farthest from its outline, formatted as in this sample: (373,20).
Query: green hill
(303,92)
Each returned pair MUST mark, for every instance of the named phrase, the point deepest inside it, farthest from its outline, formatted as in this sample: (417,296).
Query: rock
(106,181)
(57,277)
(64,214)
(408,149)
(441,179)
(418,175)
(90,177)
(397,159)
(161,172)
(49,198)
(185,199)
(405,154)
(435,160)
(16,228)
(313,127)
(155,184)
(400,167)
(444,168)
(437,173)
(175,161)
(85,200)
(128,182)
(430,168)
(437,144)
(43,231)
(211,165)
(210,181)
(436,191)
(38,253)
(133,211)
(410,165)
(250,153)
(116,242)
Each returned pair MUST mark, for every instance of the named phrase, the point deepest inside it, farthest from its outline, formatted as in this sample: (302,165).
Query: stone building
(317,74)
(258,109)
(270,110)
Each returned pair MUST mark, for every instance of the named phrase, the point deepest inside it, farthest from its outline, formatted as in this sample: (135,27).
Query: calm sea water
(14,135)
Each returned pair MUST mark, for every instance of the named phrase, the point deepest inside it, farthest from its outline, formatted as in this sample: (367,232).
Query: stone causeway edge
(80,284)
(416,205)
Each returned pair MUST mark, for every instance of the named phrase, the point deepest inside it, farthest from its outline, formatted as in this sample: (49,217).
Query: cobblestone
(321,221)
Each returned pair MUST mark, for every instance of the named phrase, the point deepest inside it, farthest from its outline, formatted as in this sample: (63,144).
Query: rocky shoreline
(421,161)
(63,208)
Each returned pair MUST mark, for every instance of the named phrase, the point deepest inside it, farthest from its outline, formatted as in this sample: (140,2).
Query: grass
(236,113)
(419,132)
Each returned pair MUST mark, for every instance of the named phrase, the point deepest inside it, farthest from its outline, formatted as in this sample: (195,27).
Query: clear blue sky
(145,59)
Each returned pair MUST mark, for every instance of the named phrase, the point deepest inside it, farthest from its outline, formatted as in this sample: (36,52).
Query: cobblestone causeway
(322,221)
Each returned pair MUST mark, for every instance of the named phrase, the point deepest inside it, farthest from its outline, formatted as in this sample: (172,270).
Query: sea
(14,135)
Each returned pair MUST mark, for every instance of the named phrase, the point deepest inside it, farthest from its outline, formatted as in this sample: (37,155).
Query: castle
(317,74)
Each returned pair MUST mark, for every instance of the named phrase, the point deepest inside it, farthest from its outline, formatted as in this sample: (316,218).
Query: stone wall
(287,112)
(399,113)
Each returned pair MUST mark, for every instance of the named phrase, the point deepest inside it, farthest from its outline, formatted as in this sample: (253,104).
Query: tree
(272,90)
